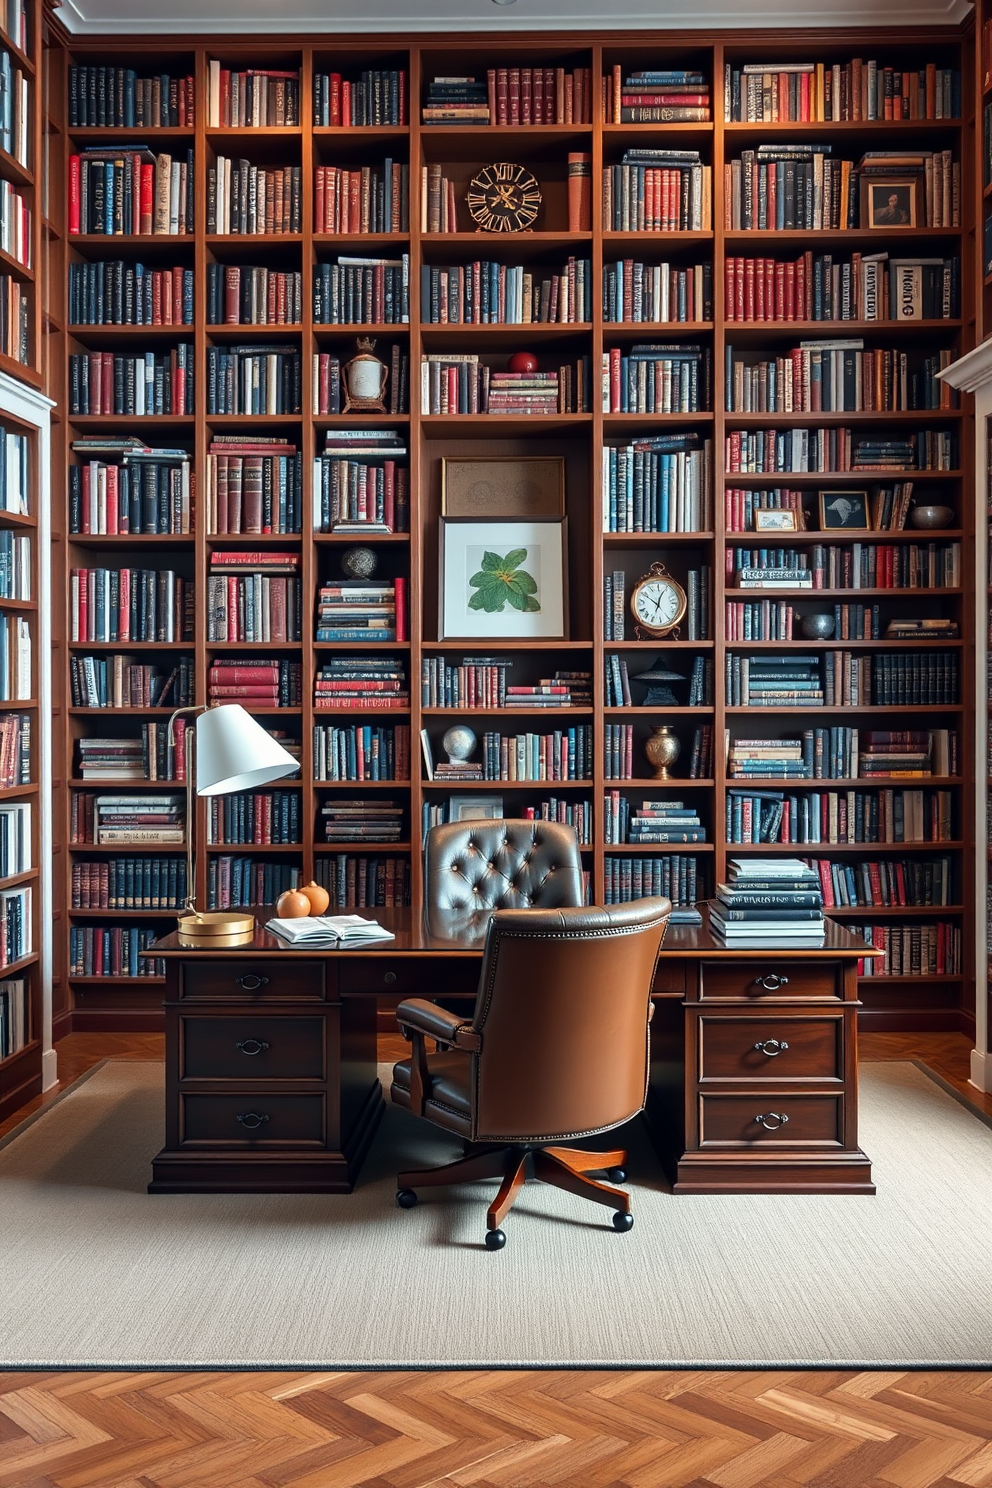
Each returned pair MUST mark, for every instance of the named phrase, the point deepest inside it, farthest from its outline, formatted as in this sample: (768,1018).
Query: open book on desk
(328,930)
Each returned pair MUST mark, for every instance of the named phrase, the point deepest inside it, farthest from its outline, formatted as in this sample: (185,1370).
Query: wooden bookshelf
(919,1002)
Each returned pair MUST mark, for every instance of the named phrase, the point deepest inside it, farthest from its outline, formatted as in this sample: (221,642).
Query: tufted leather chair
(472,868)
(556,1049)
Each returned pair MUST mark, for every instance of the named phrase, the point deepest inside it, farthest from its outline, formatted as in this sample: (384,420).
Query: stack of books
(657,822)
(367,682)
(781,682)
(359,484)
(665,97)
(776,577)
(757,758)
(769,902)
(355,611)
(354,819)
(921,630)
(110,759)
(456,100)
(255,682)
(523,392)
(903,752)
(148,819)
(563,690)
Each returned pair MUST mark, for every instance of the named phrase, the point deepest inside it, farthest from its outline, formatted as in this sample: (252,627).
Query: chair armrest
(417,1015)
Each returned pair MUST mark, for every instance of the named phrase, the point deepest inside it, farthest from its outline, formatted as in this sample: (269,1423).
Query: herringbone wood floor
(498,1429)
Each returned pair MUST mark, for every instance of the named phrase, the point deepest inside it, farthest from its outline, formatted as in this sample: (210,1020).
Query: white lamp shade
(234,753)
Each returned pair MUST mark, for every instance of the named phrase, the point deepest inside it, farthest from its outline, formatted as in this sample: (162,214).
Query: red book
(113,520)
(320,200)
(74,187)
(147,197)
(401,629)
(177,296)
(579,191)
(346,105)
(277,609)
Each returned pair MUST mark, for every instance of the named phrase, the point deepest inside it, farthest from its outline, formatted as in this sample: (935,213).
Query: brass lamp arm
(188,763)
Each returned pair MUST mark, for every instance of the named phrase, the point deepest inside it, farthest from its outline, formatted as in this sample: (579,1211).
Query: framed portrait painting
(890,201)
(503,581)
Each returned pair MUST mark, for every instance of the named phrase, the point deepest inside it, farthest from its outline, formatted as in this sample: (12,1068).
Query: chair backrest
(472,868)
(562,1010)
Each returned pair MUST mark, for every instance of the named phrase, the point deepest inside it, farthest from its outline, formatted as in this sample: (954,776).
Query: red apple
(522,361)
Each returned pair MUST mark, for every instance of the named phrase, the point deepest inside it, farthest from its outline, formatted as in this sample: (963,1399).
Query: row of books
(353,610)
(376,98)
(658,96)
(888,506)
(360,495)
(696,619)
(912,950)
(254,484)
(768,901)
(660,483)
(889,882)
(254,379)
(837,377)
(142,383)
(15,319)
(844,92)
(913,679)
(361,752)
(257,683)
(781,620)
(362,199)
(249,294)
(923,565)
(354,290)
(128,190)
(16,939)
(371,682)
(655,823)
(634,292)
(255,817)
(564,754)
(235,879)
(112,292)
(575,814)
(15,1016)
(460,382)
(15,750)
(511,95)
(148,492)
(15,564)
(257,200)
(120,682)
(475,682)
(792,681)
(113,951)
(617,682)
(15,109)
(867,286)
(15,838)
(656,378)
(486,292)
(677,876)
(839,752)
(130,604)
(656,190)
(16,659)
(795,186)
(255,606)
(157,882)
(365,883)
(255,98)
(761,451)
(15,224)
(102,97)
(15,483)
(357,819)
(841,817)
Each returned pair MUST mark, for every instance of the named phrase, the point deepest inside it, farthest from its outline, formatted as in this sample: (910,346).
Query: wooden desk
(271,1081)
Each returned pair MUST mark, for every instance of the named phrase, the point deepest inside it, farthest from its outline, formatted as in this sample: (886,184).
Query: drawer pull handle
(389,977)
(252,1119)
(771,1047)
(771,981)
(252,1046)
(771,1120)
(251,982)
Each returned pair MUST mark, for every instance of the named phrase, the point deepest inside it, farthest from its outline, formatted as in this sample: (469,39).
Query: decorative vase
(931,516)
(458,743)
(661,750)
(364,379)
(817,627)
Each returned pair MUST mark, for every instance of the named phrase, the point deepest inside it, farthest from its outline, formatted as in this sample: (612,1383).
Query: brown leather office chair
(474,867)
(556,1049)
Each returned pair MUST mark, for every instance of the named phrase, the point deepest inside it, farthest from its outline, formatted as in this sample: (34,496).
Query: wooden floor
(498,1429)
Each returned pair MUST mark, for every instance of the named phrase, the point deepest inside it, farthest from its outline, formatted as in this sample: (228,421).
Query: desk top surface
(411,938)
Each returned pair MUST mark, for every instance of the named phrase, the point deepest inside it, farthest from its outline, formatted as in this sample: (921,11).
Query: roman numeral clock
(503,198)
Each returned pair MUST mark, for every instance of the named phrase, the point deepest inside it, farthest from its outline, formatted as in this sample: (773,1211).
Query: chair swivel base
(564,1167)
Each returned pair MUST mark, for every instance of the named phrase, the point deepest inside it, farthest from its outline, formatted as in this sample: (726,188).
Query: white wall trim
(383,17)
(981,1071)
(32,407)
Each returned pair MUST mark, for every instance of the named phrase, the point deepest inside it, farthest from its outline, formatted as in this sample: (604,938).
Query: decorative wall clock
(503,198)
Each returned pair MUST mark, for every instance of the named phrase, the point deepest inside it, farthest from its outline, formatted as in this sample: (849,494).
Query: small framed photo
(475,808)
(890,201)
(503,581)
(502,488)
(769,519)
(844,511)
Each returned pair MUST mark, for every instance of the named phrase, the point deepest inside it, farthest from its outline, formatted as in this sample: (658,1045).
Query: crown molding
(383,17)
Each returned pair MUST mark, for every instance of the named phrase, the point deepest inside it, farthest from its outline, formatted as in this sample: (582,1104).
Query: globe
(458,743)
(359,563)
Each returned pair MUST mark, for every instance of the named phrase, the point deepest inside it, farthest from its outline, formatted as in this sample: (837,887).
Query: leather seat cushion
(450,1081)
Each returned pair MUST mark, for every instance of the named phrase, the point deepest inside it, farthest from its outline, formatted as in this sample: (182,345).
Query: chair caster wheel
(623,1222)
(406,1198)
(617,1175)
(495,1239)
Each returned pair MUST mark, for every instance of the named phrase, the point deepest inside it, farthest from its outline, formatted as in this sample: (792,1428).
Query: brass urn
(662,749)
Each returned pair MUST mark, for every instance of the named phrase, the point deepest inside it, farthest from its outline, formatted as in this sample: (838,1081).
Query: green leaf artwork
(501,581)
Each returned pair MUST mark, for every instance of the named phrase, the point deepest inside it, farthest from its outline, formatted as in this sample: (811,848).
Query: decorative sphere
(522,361)
(459,742)
(931,516)
(359,563)
(817,627)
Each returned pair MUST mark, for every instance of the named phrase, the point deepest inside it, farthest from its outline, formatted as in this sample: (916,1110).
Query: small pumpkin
(317,895)
(292,905)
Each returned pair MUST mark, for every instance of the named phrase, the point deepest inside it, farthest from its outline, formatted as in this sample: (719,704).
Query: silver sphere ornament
(458,743)
(359,563)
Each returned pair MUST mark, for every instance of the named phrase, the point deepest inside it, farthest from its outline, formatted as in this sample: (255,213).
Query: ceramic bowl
(818,627)
(931,516)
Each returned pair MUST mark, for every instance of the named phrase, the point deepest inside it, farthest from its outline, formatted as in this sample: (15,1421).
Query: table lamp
(233,752)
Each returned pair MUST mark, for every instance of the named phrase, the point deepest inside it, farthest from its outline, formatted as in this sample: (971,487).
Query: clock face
(658,604)
(504,198)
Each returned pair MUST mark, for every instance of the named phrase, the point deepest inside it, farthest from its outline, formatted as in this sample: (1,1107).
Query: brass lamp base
(215,929)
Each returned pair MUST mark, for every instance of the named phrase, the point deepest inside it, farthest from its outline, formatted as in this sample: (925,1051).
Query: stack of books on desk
(769,902)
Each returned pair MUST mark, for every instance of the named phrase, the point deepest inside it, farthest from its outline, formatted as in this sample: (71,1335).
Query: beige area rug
(97,1272)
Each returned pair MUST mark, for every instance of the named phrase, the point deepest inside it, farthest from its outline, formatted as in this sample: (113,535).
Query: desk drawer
(771,1048)
(409,977)
(252,1120)
(770,1120)
(771,977)
(250,981)
(245,1046)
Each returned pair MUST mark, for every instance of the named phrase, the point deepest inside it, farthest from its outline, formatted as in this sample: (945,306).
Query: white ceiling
(385,16)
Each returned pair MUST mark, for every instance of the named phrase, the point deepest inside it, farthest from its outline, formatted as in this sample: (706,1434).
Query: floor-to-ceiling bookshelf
(932,1000)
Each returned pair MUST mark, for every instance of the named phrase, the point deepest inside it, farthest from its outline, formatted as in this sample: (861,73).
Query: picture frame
(503,488)
(890,202)
(775,519)
(471,807)
(527,599)
(845,511)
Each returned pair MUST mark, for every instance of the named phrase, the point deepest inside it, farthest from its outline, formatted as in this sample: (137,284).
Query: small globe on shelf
(458,743)
(359,563)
